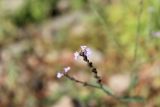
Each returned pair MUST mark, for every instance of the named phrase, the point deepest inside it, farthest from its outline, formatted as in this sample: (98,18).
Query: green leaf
(107,90)
(133,82)
(132,99)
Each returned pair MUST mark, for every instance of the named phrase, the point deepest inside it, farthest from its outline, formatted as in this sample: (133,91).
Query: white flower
(76,55)
(59,75)
(83,47)
(66,69)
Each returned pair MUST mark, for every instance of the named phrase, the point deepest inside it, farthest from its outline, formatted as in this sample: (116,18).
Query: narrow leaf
(132,99)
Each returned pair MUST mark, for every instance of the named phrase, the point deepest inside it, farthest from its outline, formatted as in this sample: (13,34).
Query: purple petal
(88,52)
(66,69)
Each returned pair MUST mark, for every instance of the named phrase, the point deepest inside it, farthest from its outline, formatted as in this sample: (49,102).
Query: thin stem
(93,69)
(93,86)
(138,31)
(88,84)
(100,86)
(81,82)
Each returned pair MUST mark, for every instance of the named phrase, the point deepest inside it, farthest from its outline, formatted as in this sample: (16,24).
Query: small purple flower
(66,69)
(76,55)
(59,75)
(87,52)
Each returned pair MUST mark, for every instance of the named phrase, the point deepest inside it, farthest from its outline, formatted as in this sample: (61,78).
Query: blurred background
(38,39)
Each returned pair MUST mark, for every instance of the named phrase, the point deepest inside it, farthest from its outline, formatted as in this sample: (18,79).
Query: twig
(85,52)
(100,86)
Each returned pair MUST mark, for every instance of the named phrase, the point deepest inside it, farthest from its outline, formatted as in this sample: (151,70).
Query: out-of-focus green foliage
(78,4)
(154,11)
(110,27)
(34,11)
